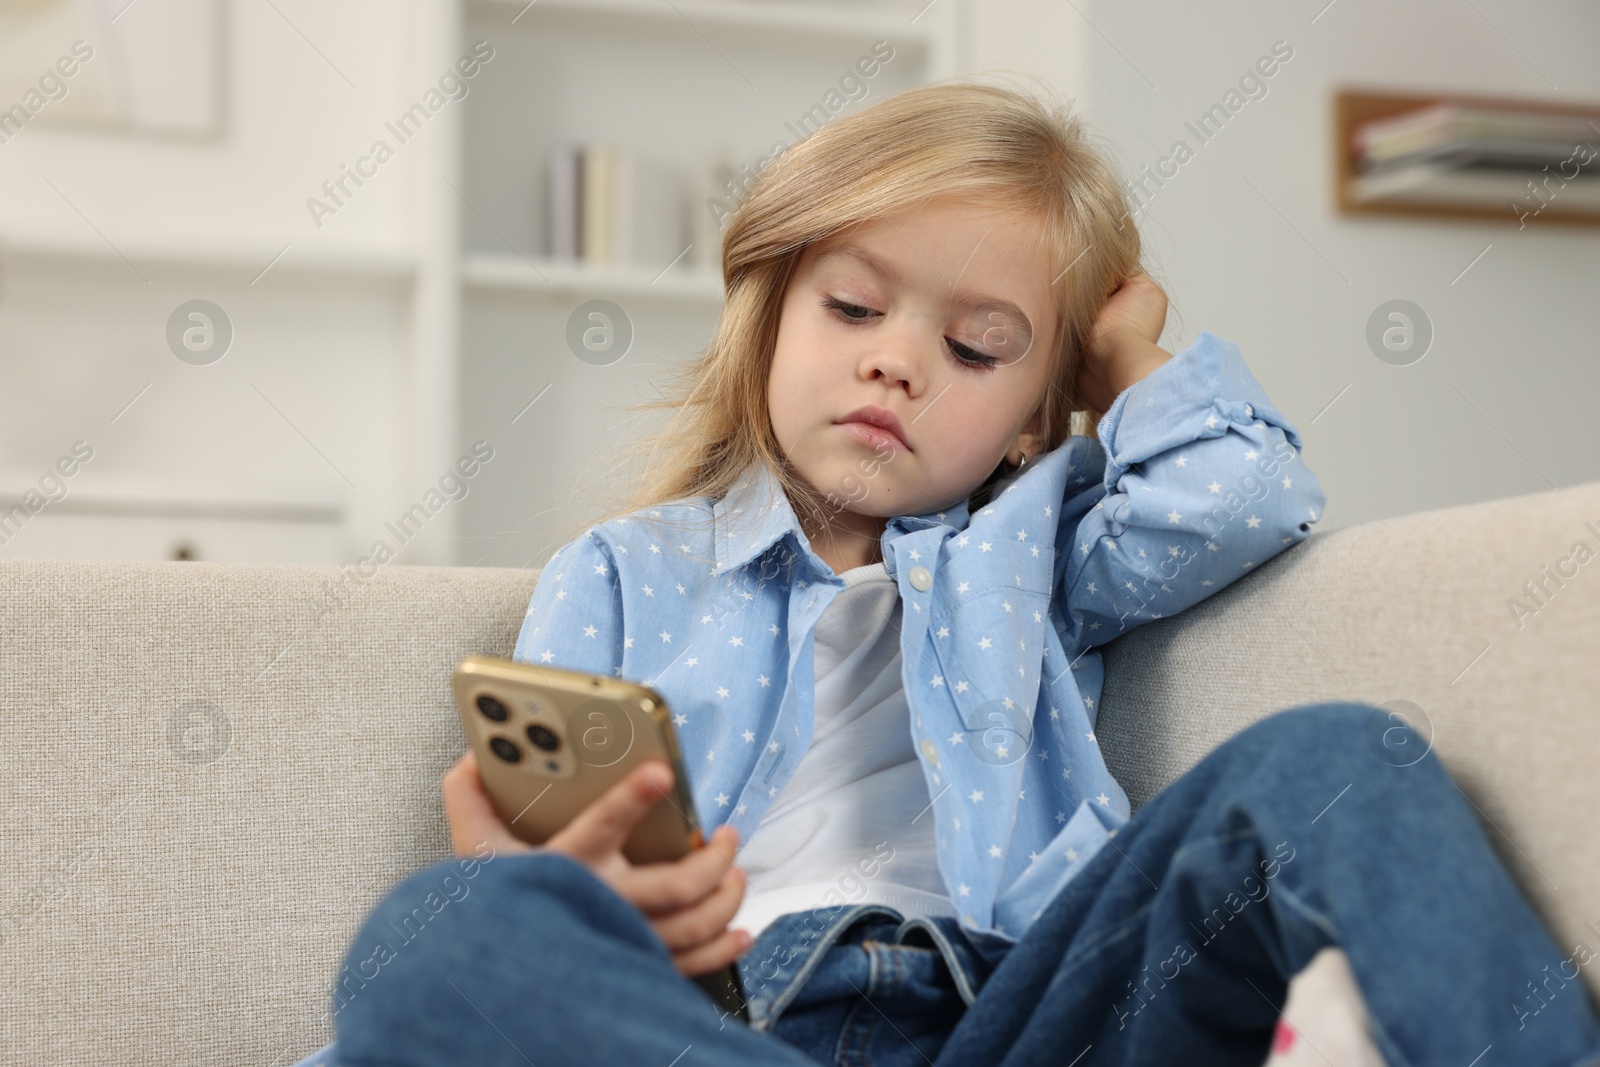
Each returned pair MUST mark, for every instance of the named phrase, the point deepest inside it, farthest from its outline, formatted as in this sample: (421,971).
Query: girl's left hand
(1121,346)
(1138,308)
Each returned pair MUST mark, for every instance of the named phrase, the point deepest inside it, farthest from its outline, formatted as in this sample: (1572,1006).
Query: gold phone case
(550,741)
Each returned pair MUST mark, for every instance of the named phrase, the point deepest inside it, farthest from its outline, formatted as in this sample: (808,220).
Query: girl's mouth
(873,436)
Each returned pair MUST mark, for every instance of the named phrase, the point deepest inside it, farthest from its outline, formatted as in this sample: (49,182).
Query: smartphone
(549,741)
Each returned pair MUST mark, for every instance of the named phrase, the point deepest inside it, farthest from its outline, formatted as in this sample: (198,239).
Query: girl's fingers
(601,828)
(700,922)
(718,952)
(471,814)
(656,888)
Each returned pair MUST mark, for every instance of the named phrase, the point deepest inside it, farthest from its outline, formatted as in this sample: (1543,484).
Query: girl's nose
(897,358)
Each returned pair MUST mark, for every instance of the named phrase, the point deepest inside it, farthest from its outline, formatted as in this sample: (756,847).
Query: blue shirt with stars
(1195,480)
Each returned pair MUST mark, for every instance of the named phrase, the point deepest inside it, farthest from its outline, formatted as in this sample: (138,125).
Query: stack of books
(1463,154)
(608,207)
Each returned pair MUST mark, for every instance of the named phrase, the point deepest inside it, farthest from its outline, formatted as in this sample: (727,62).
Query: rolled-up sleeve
(1203,482)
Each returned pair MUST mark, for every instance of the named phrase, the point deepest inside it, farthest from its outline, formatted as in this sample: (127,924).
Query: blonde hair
(995,145)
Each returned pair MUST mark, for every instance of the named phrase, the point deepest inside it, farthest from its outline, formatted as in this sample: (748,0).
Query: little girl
(871,576)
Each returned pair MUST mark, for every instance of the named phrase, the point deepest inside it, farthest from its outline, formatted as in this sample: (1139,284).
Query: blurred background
(282,281)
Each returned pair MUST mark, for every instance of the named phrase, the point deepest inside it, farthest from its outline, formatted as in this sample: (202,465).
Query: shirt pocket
(986,639)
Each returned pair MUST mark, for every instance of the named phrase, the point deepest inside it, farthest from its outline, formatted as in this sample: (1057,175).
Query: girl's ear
(1029,440)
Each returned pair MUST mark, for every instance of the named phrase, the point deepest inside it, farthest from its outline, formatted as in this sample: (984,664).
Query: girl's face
(941,317)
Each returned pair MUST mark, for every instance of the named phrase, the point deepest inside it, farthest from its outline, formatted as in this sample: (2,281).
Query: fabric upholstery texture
(210,772)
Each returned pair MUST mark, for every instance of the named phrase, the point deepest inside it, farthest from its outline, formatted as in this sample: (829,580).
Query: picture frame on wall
(147,67)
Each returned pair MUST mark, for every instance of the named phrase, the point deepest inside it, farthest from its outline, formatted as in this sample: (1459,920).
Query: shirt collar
(755,514)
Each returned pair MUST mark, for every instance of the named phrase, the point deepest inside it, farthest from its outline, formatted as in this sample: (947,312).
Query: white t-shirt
(854,822)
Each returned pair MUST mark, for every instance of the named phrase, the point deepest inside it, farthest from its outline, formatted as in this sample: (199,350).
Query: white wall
(1248,245)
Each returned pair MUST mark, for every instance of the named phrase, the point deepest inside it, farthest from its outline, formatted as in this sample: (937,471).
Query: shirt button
(1248,412)
(921,579)
(930,751)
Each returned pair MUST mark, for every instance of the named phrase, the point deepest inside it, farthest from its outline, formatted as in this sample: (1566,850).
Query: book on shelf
(1443,183)
(1448,153)
(1461,136)
(607,206)
(716,198)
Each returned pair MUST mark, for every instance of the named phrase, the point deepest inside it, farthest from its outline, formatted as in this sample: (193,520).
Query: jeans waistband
(773,969)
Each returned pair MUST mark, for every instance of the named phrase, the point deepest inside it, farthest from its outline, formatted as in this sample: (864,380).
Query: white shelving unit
(491,270)
(394,263)
(458,334)
(333,413)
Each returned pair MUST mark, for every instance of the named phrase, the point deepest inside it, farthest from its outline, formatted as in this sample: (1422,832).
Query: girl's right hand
(688,902)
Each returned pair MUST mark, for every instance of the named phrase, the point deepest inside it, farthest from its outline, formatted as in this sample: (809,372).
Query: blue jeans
(1174,944)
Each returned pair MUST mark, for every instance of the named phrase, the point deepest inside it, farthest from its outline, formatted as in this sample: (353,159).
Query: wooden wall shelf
(1458,193)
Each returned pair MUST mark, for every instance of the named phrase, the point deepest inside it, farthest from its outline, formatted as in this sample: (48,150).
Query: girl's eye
(844,310)
(972,358)
(967,357)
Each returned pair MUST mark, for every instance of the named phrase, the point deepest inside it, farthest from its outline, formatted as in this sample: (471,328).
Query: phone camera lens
(544,737)
(492,708)
(505,750)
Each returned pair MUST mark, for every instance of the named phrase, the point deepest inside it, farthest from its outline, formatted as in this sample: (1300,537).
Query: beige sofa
(210,772)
